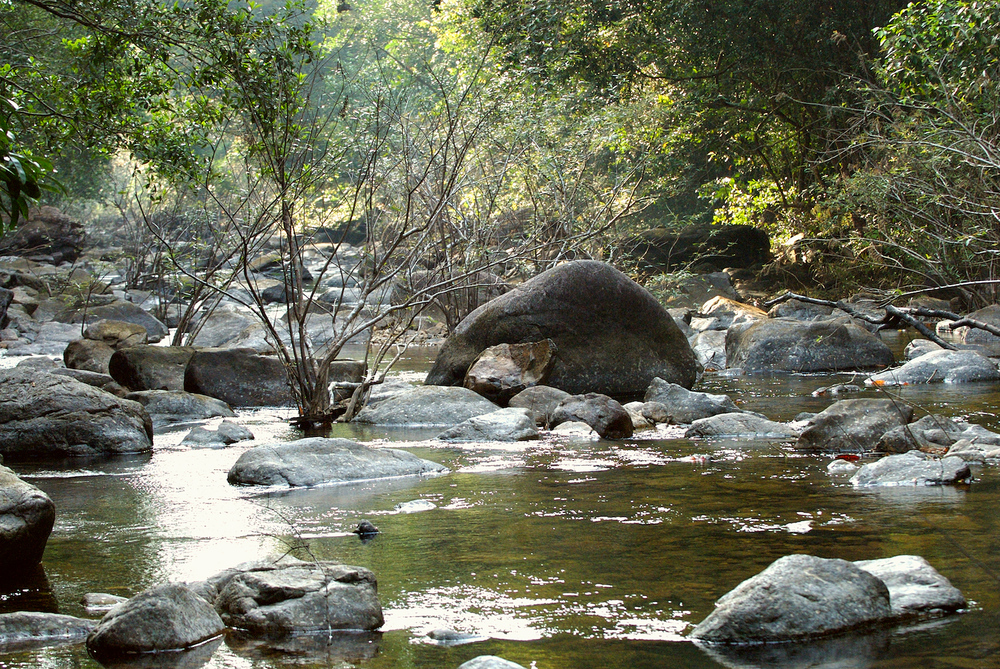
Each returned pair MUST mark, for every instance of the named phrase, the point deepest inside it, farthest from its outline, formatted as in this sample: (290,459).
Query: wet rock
(685,406)
(797,596)
(575,430)
(88,355)
(489,662)
(915,587)
(227,433)
(912,469)
(295,597)
(176,406)
(510,424)
(786,345)
(836,389)
(839,466)
(853,426)
(151,367)
(639,422)
(26,518)
(504,370)
(429,406)
(165,618)
(365,528)
(100,602)
(239,377)
(613,337)
(606,416)
(31,629)
(939,367)
(540,400)
(46,415)
(445,636)
(746,425)
(415,506)
(317,461)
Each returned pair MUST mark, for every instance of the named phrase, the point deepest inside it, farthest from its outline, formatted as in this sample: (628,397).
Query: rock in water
(606,416)
(502,371)
(612,336)
(166,618)
(316,461)
(30,628)
(915,586)
(939,367)
(853,425)
(47,415)
(26,518)
(914,468)
(239,377)
(796,597)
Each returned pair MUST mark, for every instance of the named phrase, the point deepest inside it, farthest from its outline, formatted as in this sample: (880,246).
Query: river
(558,554)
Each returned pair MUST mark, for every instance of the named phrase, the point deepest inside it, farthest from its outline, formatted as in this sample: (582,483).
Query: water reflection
(853,651)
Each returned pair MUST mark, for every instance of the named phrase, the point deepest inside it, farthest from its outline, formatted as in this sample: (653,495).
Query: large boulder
(915,587)
(915,468)
(317,461)
(612,336)
(786,345)
(151,367)
(606,416)
(165,618)
(939,367)
(47,415)
(991,316)
(293,597)
(510,424)
(221,326)
(88,355)
(117,334)
(853,426)
(431,406)
(686,406)
(239,377)
(933,433)
(797,597)
(26,518)
(48,233)
(504,370)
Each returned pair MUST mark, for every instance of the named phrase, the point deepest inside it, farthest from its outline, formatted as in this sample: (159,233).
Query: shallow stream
(559,554)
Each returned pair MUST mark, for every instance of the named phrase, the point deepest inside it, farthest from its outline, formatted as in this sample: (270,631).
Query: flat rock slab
(912,469)
(915,587)
(49,416)
(435,406)
(294,597)
(745,425)
(510,424)
(318,461)
(34,629)
(26,518)
(797,597)
(939,367)
(165,618)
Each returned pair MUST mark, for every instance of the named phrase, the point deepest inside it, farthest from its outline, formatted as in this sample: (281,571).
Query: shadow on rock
(323,649)
(854,651)
(192,658)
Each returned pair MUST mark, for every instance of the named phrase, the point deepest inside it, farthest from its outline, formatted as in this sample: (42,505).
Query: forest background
(462,143)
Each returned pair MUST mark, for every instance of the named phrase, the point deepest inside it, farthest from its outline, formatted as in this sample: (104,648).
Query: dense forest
(490,135)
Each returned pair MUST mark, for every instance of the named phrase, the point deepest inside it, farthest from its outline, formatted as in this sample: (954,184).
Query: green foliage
(22,177)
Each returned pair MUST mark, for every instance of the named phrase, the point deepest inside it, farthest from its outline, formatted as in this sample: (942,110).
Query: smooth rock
(729,311)
(221,326)
(686,406)
(165,618)
(608,418)
(31,629)
(415,506)
(613,337)
(317,461)
(117,334)
(939,367)
(710,349)
(239,377)
(974,452)
(540,400)
(575,430)
(490,662)
(746,425)
(510,424)
(100,602)
(915,587)
(102,381)
(227,433)
(853,426)
(26,518)
(796,597)
(151,367)
(912,469)
(932,434)
(295,597)
(118,310)
(88,355)
(839,466)
(786,345)
(176,406)
(991,316)
(47,415)
(429,406)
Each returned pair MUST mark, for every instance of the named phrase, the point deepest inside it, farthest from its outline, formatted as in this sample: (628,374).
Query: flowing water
(558,554)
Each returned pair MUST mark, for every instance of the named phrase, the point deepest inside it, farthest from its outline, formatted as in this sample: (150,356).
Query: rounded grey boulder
(168,617)
(797,597)
(939,367)
(428,406)
(612,336)
(26,518)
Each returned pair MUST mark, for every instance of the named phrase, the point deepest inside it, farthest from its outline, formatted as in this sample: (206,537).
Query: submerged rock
(35,629)
(613,336)
(912,469)
(608,418)
(685,406)
(746,425)
(429,406)
(853,426)
(797,596)
(165,618)
(318,461)
(46,416)
(26,518)
(939,367)
(510,424)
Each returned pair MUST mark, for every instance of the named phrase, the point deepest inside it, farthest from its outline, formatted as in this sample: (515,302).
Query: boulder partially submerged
(33,629)
(939,367)
(26,518)
(319,461)
(427,406)
(685,406)
(510,424)
(914,468)
(853,425)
